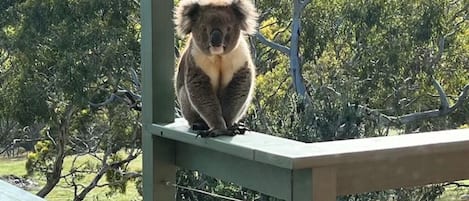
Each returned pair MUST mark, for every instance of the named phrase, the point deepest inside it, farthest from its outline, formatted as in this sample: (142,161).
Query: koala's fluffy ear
(247,14)
(185,15)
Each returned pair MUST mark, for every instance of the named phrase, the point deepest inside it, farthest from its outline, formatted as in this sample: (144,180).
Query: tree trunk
(53,177)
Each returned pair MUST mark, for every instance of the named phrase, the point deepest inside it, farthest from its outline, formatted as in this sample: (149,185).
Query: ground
(16,166)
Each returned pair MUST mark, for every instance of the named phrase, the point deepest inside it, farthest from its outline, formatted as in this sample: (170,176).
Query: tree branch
(409,118)
(132,99)
(457,184)
(441,92)
(54,174)
(283,49)
(16,141)
(135,79)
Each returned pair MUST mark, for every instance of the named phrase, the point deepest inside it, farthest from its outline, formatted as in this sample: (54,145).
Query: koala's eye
(228,29)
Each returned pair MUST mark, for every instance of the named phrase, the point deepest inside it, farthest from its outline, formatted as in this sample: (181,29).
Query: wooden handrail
(297,155)
(347,166)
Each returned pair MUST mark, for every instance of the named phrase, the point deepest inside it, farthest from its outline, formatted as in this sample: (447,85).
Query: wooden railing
(283,168)
(293,170)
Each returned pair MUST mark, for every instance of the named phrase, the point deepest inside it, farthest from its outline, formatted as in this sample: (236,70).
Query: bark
(102,171)
(293,51)
(409,118)
(53,177)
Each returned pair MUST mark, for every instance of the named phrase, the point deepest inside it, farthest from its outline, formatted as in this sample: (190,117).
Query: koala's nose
(216,38)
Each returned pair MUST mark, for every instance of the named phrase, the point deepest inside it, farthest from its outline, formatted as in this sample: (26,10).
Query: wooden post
(157,50)
(324,187)
(159,168)
(301,185)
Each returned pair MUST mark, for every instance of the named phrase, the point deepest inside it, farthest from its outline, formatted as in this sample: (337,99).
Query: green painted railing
(283,168)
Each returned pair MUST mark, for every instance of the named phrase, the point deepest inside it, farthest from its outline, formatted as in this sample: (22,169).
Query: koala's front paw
(215,133)
(238,128)
(235,129)
(198,126)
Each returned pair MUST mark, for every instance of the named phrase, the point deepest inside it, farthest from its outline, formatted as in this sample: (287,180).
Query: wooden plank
(324,186)
(292,154)
(157,50)
(158,168)
(244,146)
(261,177)
(10,192)
(402,172)
(377,148)
(301,185)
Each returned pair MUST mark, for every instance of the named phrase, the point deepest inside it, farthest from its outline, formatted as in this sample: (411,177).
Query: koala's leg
(234,97)
(204,100)
(194,119)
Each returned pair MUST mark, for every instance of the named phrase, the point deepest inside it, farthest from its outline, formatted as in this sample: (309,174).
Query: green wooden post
(157,50)
(301,185)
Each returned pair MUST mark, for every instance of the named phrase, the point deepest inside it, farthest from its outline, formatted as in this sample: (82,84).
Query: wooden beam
(292,154)
(402,172)
(324,186)
(376,148)
(157,50)
(158,168)
(262,177)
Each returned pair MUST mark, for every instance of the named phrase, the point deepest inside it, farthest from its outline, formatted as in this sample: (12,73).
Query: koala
(215,76)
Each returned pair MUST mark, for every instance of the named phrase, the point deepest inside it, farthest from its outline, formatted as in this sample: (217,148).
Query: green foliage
(58,55)
(114,176)
(41,158)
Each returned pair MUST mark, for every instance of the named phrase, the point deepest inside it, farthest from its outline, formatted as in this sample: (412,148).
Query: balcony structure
(287,169)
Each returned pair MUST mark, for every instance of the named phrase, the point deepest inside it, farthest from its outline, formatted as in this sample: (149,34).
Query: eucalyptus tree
(61,56)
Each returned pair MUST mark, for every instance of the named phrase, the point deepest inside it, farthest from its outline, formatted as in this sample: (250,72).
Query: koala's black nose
(216,38)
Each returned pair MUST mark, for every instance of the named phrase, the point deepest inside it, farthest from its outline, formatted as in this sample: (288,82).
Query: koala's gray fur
(215,76)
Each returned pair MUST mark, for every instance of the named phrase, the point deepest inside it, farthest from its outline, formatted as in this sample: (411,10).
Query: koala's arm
(234,98)
(203,98)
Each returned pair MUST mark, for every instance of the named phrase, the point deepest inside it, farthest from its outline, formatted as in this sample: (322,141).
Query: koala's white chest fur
(221,68)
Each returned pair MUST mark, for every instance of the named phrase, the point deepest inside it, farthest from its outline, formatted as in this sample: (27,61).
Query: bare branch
(132,99)
(111,99)
(462,97)
(304,3)
(441,92)
(457,184)
(54,175)
(135,79)
(283,49)
(408,118)
(16,141)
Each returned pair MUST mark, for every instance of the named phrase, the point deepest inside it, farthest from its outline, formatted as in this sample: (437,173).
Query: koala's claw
(238,129)
(235,129)
(214,133)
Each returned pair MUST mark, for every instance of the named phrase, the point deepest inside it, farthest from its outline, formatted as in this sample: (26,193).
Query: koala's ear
(184,16)
(247,14)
